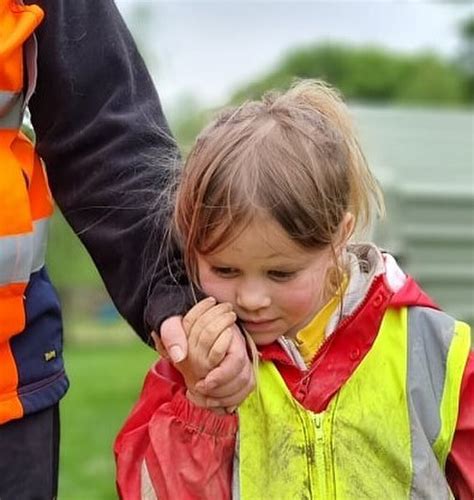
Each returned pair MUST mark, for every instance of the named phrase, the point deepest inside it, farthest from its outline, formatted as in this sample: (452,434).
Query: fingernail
(231,409)
(176,354)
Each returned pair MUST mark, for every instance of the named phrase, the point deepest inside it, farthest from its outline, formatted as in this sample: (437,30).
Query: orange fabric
(17,23)
(41,201)
(12,312)
(10,405)
(24,192)
(15,215)
(40,195)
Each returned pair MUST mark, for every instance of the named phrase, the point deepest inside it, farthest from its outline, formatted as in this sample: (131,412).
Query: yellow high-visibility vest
(385,434)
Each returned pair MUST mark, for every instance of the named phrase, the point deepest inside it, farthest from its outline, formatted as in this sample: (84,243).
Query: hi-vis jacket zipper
(321,470)
(320,462)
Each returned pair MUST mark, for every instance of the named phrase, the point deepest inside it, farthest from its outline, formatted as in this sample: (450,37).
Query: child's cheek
(213,286)
(300,300)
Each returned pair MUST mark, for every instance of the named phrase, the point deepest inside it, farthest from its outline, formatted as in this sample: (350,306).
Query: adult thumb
(174,340)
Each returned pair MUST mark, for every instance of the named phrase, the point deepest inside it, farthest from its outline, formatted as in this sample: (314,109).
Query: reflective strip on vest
(430,336)
(23,254)
(11,109)
(385,434)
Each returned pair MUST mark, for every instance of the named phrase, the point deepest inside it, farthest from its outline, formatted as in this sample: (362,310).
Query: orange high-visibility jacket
(25,199)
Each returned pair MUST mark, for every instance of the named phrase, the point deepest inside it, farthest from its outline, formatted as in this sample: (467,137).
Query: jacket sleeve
(109,155)
(172,448)
(460,463)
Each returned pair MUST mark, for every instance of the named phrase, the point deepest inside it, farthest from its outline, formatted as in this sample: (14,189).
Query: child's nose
(252,296)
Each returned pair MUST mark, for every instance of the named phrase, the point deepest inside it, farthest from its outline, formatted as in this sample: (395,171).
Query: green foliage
(104,384)
(467,29)
(426,79)
(68,263)
(369,74)
(185,124)
(465,58)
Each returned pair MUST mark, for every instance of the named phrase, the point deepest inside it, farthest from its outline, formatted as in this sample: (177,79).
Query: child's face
(276,287)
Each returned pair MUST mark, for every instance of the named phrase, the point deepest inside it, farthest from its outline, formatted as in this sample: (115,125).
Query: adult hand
(172,343)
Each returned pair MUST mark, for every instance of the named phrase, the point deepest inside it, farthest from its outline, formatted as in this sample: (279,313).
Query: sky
(206,49)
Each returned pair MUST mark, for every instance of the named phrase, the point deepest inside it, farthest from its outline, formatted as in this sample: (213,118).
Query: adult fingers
(232,400)
(196,398)
(160,348)
(233,386)
(199,400)
(173,338)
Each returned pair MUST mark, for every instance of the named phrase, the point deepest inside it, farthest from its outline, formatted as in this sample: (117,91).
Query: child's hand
(229,383)
(209,331)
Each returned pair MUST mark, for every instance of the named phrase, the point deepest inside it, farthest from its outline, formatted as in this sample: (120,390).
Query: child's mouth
(259,326)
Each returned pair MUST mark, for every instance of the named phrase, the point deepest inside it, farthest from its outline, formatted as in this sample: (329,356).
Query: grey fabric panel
(20,255)
(40,240)
(428,482)
(11,112)
(31,55)
(429,337)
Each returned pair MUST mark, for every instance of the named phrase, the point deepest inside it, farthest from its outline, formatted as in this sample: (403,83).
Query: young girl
(365,389)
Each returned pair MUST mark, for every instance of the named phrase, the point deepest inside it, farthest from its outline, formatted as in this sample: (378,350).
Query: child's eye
(225,272)
(282,275)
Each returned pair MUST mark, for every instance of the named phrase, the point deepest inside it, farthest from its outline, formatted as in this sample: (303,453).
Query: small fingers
(212,330)
(220,347)
(243,379)
(235,361)
(210,324)
(196,312)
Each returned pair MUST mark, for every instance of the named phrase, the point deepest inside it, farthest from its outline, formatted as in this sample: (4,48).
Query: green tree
(368,74)
(466,55)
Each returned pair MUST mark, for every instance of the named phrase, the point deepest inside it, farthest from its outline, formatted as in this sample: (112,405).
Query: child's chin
(264,338)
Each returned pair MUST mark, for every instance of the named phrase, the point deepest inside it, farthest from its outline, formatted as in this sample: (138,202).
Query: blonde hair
(292,155)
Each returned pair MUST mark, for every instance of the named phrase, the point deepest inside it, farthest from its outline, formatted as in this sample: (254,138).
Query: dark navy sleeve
(107,148)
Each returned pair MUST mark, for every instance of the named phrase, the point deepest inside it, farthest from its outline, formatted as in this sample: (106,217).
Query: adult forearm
(108,151)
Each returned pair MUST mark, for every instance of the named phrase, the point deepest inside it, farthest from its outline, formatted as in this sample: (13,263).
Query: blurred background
(406,69)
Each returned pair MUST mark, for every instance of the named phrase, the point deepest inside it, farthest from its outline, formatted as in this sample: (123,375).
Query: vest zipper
(321,466)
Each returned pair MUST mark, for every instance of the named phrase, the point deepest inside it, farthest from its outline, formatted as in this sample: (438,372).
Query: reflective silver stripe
(429,337)
(31,54)
(23,254)
(11,112)
(147,492)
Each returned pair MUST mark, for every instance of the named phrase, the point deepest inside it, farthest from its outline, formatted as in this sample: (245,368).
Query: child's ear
(346,228)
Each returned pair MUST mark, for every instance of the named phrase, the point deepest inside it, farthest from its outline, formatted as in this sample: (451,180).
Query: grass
(105,381)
